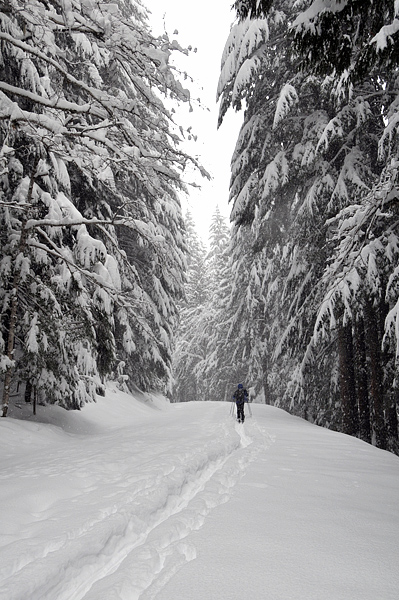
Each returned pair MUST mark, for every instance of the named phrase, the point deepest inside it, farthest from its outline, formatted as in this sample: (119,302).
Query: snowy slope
(134,498)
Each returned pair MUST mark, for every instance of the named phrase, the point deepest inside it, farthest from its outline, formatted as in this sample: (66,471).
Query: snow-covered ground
(140,499)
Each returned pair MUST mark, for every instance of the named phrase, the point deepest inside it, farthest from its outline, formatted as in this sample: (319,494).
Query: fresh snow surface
(133,498)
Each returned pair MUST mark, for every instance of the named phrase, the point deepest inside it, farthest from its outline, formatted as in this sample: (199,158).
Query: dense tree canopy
(92,252)
(348,37)
(314,194)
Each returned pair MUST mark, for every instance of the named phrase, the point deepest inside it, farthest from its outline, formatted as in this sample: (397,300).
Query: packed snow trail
(112,508)
(315,517)
(127,502)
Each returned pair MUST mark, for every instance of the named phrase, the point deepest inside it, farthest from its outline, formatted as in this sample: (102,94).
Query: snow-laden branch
(54,126)
(101,97)
(56,103)
(78,23)
(287,100)
(385,36)
(130,222)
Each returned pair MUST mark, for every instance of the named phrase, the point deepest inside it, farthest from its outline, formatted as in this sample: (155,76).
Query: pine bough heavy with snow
(91,247)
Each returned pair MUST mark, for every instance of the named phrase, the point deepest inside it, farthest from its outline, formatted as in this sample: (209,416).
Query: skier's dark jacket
(240,396)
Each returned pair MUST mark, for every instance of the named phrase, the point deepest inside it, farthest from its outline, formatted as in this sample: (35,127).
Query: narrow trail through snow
(117,509)
(116,502)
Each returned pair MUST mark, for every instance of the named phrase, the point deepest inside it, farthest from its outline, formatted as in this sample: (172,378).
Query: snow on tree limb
(305,19)
(384,37)
(55,103)
(287,100)
(240,61)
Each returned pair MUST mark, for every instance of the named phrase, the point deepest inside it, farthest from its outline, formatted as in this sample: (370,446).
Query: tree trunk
(265,383)
(361,381)
(392,417)
(347,381)
(28,391)
(11,337)
(376,378)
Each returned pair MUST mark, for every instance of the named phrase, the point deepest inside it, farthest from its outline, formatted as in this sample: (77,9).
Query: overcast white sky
(203,25)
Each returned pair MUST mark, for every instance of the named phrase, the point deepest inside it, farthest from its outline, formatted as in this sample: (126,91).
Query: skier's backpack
(240,396)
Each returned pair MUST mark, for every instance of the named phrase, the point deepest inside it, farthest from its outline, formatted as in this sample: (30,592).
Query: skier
(240,396)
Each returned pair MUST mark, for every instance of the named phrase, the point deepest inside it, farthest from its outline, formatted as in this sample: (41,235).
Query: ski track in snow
(128,542)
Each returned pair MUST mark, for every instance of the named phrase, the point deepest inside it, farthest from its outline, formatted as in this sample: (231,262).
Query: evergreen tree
(308,181)
(360,48)
(350,39)
(91,237)
(190,348)
(219,368)
(208,358)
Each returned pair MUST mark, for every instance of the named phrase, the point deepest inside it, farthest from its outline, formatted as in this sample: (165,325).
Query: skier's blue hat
(239,385)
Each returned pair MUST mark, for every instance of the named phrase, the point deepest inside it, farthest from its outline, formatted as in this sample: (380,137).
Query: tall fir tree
(219,368)
(313,167)
(209,357)
(91,237)
(190,348)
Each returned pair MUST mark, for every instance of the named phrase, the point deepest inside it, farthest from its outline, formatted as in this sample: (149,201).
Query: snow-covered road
(115,503)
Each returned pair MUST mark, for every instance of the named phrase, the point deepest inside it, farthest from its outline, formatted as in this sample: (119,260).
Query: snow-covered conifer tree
(314,155)
(209,353)
(360,48)
(190,350)
(221,368)
(91,243)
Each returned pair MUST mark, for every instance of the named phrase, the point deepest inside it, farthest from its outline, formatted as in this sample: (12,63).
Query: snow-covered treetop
(58,98)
